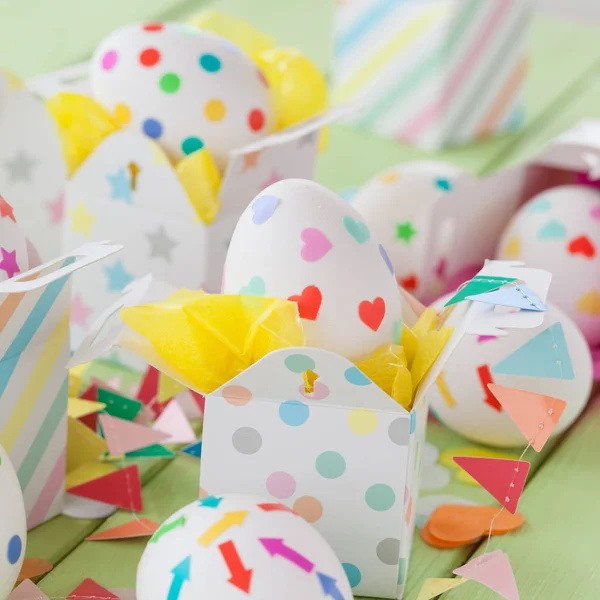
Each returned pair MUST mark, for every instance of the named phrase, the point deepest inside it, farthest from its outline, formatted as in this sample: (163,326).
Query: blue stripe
(29,328)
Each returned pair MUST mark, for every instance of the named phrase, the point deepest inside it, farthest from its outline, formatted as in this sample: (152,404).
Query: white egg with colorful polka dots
(185,88)
(300,241)
(559,230)
(13,526)
(232,546)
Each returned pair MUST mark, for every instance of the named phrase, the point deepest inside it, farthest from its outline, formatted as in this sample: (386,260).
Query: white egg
(299,240)
(185,88)
(13,527)
(559,230)
(461,399)
(238,546)
(397,206)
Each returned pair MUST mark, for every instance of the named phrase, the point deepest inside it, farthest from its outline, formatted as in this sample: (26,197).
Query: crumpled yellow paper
(211,338)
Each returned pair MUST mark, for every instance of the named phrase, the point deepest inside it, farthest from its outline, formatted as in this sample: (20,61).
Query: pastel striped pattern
(418,80)
(34,349)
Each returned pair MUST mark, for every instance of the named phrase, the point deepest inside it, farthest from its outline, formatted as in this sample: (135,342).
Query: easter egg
(238,546)
(559,230)
(13,527)
(522,359)
(185,88)
(397,206)
(300,241)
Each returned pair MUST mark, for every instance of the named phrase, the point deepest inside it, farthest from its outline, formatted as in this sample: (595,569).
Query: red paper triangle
(494,571)
(88,588)
(90,393)
(528,411)
(121,488)
(90,421)
(132,529)
(149,387)
(200,401)
(504,479)
(126,436)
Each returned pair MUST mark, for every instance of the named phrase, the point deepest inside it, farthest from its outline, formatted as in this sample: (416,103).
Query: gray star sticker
(308,138)
(20,167)
(161,244)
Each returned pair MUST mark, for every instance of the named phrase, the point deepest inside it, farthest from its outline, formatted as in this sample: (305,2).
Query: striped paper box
(34,351)
(433,72)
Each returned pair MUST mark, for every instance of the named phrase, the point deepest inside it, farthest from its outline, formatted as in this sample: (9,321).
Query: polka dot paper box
(433,72)
(194,142)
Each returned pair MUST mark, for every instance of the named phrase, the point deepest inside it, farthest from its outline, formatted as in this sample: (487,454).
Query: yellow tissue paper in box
(209,339)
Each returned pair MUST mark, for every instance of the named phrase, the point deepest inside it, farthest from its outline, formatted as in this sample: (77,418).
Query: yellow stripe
(444,391)
(36,382)
(402,41)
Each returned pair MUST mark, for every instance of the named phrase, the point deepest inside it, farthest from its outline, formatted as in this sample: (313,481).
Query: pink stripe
(53,487)
(472,56)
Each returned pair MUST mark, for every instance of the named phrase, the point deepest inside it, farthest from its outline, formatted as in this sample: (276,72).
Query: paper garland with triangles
(494,571)
(480,284)
(516,296)
(434,587)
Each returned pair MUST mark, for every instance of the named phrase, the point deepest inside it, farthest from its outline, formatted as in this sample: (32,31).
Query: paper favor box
(34,351)
(433,72)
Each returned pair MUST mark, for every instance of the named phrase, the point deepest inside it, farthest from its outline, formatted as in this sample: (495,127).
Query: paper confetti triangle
(504,479)
(194,450)
(83,445)
(79,407)
(535,415)
(34,567)
(200,401)
(132,529)
(121,488)
(480,284)
(437,586)
(90,393)
(517,296)
(124,436)
(546,355)
(88,472)
(492,570)
(174,422)
(88,588)
(154,451)
(148,391)
(168,387)
(27,590)
(118,405)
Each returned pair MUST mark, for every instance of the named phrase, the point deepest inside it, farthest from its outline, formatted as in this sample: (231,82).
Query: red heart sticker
(309,302)
(582,245)
(409,283)
(372,313)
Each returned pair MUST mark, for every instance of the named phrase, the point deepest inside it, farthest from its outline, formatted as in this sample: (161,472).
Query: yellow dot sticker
(362,421)
(122,114)
(214,110)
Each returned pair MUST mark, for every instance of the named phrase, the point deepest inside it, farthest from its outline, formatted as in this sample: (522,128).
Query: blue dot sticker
(298,363)
(152,128)
(15,547)
(294,413)
(210,63)
(352,573)
(355,376)
(191,145)
(413,421)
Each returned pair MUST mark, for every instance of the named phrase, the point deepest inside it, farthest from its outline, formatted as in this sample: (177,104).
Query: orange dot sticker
(237,395)
(309,508)
(215,110)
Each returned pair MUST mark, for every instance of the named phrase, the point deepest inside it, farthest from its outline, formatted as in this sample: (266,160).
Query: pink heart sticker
(316,244)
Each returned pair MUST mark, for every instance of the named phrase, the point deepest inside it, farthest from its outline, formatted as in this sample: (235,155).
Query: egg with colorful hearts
(185,88)
(300,241)
(13,527)
(397,206)
(235,546)
(15,249)
(559,230)
(553,360)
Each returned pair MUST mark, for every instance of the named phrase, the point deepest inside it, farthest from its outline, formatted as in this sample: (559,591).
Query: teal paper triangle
(154,451)
(546,355)
(480,284)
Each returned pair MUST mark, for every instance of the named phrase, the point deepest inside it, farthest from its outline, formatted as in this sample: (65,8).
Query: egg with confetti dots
(559,230)
(300,241)
(552,359)
(13,527)
(185,88)
(397,205)
(235,546)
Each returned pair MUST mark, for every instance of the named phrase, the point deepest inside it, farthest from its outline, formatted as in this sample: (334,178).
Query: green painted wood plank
(556,553)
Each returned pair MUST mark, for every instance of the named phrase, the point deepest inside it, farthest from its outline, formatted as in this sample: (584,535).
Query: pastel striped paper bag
(34,351)
(433,72)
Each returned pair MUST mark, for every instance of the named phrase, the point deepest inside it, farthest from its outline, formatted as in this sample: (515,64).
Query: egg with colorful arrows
(553,360)
(234,546)
(13,527)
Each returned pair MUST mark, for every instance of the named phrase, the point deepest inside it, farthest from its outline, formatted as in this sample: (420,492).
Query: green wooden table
(554,555)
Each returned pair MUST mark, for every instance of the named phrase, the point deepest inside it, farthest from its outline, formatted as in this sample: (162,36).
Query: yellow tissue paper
(209,339)
(248,39)
(201,180)
(82,125)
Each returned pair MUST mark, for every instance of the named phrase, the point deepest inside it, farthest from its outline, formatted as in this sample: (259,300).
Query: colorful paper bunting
(88,588)
(479,285)
(118,405)
(546,355)
(535,415)
(88,472)
(492,570)
(83,445)
(504,479)
(517,296)
(27,591)
(432,588)
(132,529)
(34,567)
(121,488)
(174,422)
(124,436)
(194,450)
(79,408)
(154,451)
